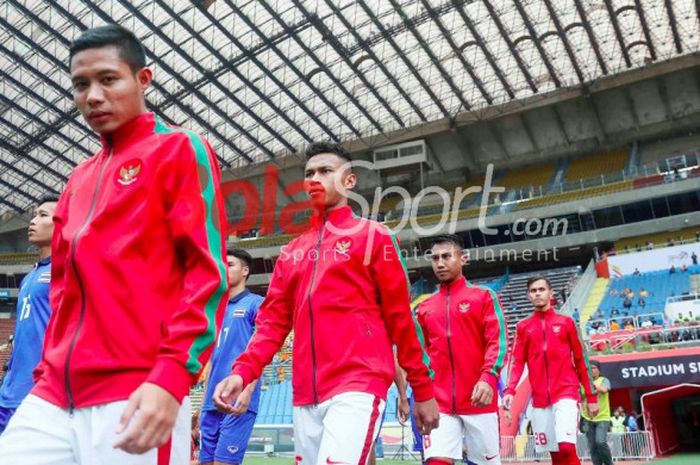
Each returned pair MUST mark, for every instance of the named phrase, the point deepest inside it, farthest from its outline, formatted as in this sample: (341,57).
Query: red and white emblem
(129,172)
(464,307)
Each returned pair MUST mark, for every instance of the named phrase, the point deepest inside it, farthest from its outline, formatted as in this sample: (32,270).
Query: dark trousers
(597,436)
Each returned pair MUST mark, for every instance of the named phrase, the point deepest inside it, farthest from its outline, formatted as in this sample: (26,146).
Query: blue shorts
(224,437)
(5,415)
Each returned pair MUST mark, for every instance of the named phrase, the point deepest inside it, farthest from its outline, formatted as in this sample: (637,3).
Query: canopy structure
(262,79)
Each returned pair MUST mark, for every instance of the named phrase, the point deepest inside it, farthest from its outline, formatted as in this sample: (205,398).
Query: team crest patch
(343,246)
(239,312)
(556,329)
(129,172)
(464,307)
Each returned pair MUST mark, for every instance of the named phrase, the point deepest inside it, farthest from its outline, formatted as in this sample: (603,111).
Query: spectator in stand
(630,294)
(647,323)
(637,247)
(636,272)
(694,258)
(613,292)
(618,421)
(684,268)
(669,242)
(672,270)
(641,302)
(627,248)
(575,315)
(627,303)
(629,325)
(697,236)
(643,293)
(614,325)
(650,245)
(614,312)
(631,422)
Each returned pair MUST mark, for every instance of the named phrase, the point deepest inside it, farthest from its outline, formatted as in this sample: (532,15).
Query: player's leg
(565,414)
(233,439)
(444,444)
(481,433)
(543,430)
(38,433)
(5,415)
(601,442)
(308,431)
(95,432)
(350,426)
(209,430)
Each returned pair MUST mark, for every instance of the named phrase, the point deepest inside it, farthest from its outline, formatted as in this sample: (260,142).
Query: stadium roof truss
(263,78)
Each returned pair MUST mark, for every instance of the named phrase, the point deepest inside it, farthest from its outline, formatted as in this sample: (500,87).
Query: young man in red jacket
(557,365)
(137,281)
(467,338)
(342,287)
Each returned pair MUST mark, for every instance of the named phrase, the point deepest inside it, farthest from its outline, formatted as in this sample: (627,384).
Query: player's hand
(507,401)
(426,415)
(482,394)
(152,427)
(242,402)
(403,410)
(593,410)
(228,389)
(507,417)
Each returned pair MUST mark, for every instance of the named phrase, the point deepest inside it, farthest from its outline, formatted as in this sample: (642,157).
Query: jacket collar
(454,286)
(548,312)
(336,216)
(44,261)
(137,128)
(236,298)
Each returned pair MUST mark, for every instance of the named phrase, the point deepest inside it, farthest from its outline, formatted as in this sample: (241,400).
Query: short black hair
(47,198)
(451,238)
(538,278)
(241,254)
(595,363)
(130,47)
(317,148)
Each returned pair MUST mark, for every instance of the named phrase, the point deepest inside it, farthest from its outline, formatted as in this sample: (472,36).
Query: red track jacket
(549,343)
(138,276)
(342,287)
(467,339)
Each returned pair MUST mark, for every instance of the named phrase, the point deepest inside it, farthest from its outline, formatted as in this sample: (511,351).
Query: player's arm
(272,325)
(582,367)
(194,212)
(403,410)
(392,282)
(517,365)
(496,337)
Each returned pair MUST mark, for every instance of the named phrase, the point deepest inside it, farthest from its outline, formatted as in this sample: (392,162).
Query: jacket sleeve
(391,279)
(517,360)
(496,336)
(583,368)
(420,320)
(59,254)
(194,212)
(273,324)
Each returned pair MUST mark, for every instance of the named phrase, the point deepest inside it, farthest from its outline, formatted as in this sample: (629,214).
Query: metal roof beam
(674,27)
(15,189)
(12,206)
(535,39)
(458,53)
(504,35)
(563,38)
(323,67)
(368,49)
(482,45)
(296,71)
(344,55)
(436,62)
(645,29)
(410,66)
(227,92)
(618,32)
(591,36)
(29,177)
(251,55)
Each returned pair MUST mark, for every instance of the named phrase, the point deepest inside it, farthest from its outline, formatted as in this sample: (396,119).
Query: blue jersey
(236,330)
(33,312)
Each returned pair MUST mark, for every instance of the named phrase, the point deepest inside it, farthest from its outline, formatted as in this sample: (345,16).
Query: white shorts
(554,424)
(340,430)
(480,433)
(41,433)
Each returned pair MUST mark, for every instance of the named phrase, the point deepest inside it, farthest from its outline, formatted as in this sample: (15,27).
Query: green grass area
(679,459)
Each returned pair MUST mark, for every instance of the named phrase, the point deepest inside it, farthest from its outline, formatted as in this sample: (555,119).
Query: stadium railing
(656,337)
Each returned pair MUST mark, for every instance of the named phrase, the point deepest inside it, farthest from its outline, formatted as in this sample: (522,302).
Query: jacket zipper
(81,286)
(311,313)
(449,349)
(544,352)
